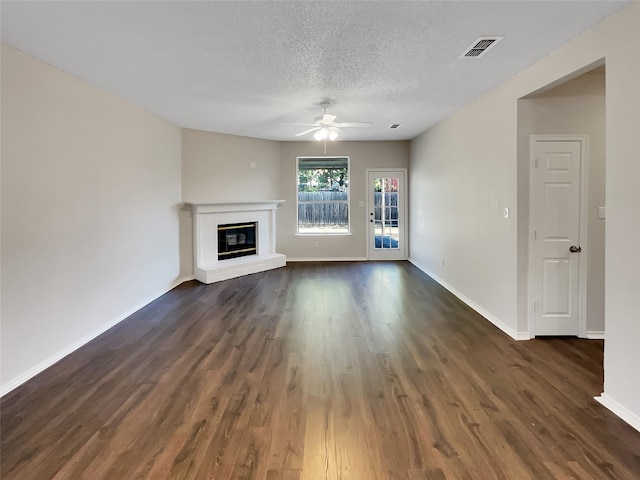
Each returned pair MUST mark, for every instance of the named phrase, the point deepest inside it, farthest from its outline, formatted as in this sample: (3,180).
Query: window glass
(323,195)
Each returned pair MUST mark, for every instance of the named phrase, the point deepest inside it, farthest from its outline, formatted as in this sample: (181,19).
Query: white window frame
(347,202)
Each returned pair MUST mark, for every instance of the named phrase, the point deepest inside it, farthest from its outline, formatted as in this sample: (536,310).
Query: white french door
(386,217)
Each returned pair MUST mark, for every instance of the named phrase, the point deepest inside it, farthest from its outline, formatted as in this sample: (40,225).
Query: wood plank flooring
(315,371)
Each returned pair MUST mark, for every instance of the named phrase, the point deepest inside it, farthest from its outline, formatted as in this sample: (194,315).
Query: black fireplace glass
(237,240)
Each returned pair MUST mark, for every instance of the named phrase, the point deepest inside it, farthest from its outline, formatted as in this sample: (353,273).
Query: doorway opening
(571,109)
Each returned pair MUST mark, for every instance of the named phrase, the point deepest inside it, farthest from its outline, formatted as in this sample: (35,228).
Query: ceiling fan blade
(354,124)
(300,124)
(307,131)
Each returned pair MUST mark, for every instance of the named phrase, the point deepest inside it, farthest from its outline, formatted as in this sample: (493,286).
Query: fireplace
(234,239)
(237,240)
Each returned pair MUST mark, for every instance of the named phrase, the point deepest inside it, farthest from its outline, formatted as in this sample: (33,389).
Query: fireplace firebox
(237,240)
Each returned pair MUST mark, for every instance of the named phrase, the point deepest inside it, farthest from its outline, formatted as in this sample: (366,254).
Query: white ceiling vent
(481,46)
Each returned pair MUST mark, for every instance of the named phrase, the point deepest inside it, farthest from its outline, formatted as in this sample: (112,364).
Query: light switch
(252,164)
(602,211)
(505,213)
(361,203)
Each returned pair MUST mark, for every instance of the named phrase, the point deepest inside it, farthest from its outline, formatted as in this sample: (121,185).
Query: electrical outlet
(316,244)
(252,164)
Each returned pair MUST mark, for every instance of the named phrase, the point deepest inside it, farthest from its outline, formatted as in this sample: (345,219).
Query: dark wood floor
(317,371)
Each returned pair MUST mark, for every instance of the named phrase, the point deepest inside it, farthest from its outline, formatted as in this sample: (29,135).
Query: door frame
(583,139)
(404,208)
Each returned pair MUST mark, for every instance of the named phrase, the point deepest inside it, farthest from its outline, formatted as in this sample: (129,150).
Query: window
(323,195)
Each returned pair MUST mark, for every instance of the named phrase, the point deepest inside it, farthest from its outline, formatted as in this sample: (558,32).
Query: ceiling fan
(326,127)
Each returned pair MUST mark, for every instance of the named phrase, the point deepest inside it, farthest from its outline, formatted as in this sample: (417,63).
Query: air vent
(481,46)
(395,125)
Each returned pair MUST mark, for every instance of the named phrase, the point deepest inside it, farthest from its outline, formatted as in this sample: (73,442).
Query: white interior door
(556,188)
(386,214)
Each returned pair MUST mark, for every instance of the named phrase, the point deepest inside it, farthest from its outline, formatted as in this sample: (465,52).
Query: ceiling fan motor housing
(326,118)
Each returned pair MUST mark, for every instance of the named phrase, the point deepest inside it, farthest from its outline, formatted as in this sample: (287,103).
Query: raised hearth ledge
(238,267)
(207,217)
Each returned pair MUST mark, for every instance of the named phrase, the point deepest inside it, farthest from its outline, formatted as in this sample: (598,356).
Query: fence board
(335,209)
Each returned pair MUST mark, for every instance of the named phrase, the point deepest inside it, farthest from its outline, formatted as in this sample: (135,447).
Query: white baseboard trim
(489,316)
(620,410)
(595,334)
(56,357)
(326,259)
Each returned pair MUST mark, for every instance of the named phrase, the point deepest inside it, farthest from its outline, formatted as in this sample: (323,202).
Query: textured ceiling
(245,67)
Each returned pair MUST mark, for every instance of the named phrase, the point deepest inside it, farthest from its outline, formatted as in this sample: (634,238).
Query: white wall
(578,107)
(216,169)
(90,197)
(465,170)
(363,155)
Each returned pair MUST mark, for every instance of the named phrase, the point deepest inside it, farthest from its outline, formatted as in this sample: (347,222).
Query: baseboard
(32,372)
(595,334)
(326,259)
(488,315)
(620,410)
(186,278)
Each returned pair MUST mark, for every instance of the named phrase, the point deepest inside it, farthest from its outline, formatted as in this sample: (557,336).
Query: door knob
(575,249)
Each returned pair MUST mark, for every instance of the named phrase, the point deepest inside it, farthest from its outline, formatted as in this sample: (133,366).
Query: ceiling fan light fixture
(325,127)
(322,134)
(325,133)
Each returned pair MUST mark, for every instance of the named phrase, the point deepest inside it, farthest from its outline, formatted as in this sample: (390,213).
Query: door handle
(575,249)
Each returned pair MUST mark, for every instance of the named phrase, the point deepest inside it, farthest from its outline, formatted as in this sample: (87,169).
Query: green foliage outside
(313,180)
(385,185)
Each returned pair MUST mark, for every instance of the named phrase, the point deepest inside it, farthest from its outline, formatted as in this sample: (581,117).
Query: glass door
(386,214)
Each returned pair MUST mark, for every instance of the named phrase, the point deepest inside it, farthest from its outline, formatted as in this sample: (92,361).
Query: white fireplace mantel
(207,217)
(235,206)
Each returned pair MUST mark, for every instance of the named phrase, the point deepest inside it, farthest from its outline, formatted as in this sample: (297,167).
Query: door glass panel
(386,226)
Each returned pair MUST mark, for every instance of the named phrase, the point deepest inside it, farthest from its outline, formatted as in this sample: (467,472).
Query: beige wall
(470,166)
(578,107)
(216,168)
(90,197)
(363,155)
(90,187)
(462,178)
